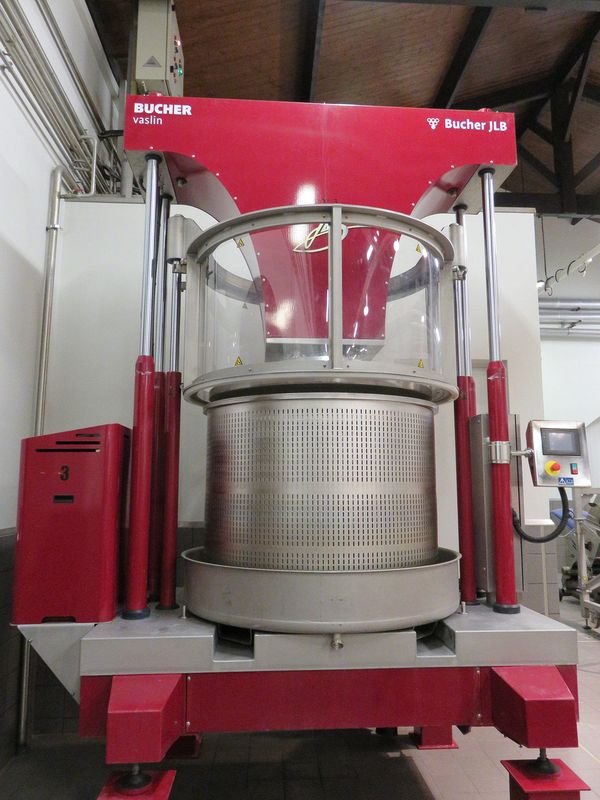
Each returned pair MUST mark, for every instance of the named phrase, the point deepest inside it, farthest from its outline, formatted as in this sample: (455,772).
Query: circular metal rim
(287,601)
(291,396)
(423,387)
(448,556)
(404,224)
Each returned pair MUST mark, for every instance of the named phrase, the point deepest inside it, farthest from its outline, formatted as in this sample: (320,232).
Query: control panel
(159,62)
(558,453)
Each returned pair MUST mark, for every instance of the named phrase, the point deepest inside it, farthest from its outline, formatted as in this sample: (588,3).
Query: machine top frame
(235,156)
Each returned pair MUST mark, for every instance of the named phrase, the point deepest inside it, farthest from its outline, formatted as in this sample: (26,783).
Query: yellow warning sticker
(420,365)
(238,362)
(240,243)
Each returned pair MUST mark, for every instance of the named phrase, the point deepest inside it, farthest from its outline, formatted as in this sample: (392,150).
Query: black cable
(553,534)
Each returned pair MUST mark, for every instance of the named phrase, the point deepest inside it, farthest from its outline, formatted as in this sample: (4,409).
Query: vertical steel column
(504,557)
(143,413)
(158,447)
(172,439)
(463,410)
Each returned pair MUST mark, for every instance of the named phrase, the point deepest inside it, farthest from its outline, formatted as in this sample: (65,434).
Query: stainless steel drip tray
(289,601)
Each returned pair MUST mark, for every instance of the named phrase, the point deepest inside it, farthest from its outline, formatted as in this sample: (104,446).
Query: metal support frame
(504,558)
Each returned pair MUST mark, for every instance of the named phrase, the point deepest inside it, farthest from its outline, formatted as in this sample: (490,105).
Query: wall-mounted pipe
(569,305)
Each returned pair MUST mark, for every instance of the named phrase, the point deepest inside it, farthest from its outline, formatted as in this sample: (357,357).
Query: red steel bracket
(533,706)
(146,715)
(528,784)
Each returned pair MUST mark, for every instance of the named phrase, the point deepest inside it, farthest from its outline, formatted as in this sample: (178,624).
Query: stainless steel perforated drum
(321,516)
(334,482)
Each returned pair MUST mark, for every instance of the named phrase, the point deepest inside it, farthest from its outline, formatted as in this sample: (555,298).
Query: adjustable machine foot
(121,785)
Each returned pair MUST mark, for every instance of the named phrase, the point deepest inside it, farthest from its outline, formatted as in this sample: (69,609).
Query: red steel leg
(435,737)
(462,413)
(171,474)
(504,558)
(158,471)
(141,478)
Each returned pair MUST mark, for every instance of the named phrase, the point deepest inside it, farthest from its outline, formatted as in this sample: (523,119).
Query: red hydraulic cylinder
(504,558)
(158,482)
(462,412)
(141,477)
(171,474)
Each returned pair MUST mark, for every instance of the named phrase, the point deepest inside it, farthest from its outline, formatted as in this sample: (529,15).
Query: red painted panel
(146,714)
(534,706)
(325,699)
(70,525)
(271,154)
(93,705)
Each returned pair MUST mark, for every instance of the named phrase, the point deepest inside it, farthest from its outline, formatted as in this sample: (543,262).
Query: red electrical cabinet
(70,525)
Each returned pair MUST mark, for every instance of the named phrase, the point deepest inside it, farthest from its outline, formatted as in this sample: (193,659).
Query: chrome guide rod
(489,228)
(161,285)
(175,322)
(150,254)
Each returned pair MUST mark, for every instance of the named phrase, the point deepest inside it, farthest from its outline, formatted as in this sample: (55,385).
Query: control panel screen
(560,442)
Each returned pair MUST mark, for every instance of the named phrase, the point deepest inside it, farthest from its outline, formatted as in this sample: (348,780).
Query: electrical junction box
(159,62)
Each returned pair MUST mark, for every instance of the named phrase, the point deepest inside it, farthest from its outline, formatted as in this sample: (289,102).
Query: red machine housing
(70,525)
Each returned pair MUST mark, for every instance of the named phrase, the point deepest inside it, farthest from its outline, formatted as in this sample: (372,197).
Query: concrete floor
(349,765)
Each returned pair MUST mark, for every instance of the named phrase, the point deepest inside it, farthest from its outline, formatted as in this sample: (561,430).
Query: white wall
(95,332)
(25,166)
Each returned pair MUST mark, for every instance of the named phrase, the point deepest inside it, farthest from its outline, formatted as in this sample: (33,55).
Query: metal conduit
(35,79)
(569,305)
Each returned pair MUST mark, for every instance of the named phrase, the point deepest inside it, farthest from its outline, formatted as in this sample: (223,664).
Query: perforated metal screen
(321,483)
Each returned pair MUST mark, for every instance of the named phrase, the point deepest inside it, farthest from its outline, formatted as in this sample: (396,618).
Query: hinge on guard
(500,452)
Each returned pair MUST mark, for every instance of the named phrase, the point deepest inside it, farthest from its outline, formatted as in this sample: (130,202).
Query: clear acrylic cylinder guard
(312,301)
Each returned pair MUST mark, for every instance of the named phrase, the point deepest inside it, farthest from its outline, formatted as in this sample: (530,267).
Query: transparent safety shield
(310,289)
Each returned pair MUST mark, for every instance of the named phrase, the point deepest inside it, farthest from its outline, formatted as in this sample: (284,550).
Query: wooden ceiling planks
(519,46)
(386,53)
(251,50)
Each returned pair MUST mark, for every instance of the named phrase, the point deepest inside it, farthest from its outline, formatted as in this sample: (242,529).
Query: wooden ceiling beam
(592,165)
(464,52)
(509,96)
(538,165)
(530,5)
(566,64)
(588,205)
(315,12)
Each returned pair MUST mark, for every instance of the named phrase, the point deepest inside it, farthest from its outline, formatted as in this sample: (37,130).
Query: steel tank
(321,498)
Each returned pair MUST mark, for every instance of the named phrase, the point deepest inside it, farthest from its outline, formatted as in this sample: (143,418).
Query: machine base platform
(167,643)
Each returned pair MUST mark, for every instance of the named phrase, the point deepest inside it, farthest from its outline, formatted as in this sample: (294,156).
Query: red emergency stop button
(552,468)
